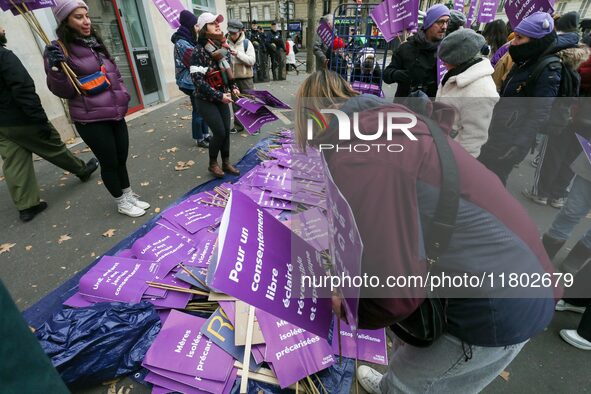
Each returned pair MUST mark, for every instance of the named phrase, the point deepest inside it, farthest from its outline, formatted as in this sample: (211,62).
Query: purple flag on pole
(30,4)
(516,10)
(459,5)
(382,20)
(487,10)
(171,11)
(293,352)
(261,262)
(253,121)
(324,31)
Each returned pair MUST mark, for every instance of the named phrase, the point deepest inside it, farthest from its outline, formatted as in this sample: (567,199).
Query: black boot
(552,245)
(577,257)
(26,215)
(91,167)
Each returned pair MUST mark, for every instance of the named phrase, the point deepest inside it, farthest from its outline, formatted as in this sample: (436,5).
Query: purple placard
(369,88)
(261,262)
(249,105)
(586,145)
(118,279)
(193,216)
(516,10)
(253,122)
(382,20)
(293,352)
(441,71)
(5,5)
(487,11)
(403,14)
(470,16)
(459,5)
(312,225)
(180,347)
(368,345)
(202,255)
(346,247)
(170,10)
(180,383)
(324,31)
(163,246)
(267,98)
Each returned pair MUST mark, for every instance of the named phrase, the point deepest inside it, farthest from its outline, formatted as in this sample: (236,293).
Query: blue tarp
(335,379)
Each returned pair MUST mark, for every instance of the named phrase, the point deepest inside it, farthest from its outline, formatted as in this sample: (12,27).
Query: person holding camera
(214,88)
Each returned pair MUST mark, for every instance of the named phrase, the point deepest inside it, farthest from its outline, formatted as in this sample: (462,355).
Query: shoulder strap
(540,66)
(64,49)
(245,44)
(439,234)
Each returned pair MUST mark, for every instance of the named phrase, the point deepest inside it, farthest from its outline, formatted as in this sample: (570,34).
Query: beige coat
(242,62)
(473,94)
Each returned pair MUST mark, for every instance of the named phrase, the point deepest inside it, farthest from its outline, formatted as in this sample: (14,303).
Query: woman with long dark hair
(213,79)
(98,102)
(495,34)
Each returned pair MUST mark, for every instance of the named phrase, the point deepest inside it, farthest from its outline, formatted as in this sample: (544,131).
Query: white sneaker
(369,379)
(573,338)
(125,207)
(562,305)
(132,198)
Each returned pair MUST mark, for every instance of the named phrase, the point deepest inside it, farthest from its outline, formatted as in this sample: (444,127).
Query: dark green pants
(17,144)
(24,366)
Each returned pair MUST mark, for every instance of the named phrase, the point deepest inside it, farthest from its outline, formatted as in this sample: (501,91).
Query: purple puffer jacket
(111,104)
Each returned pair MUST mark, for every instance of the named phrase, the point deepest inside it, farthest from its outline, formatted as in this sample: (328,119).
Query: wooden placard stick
(192,275)
(247,350)
(340,341)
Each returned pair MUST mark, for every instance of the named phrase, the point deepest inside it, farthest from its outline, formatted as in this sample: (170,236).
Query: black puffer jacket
(414,66)
(19,104)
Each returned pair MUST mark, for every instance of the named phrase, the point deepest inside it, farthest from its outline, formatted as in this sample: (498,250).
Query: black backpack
(569,78)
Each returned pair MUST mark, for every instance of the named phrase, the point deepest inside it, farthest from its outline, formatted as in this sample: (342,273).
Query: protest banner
(364,345)
(345,245)
(382,20)
(403,15)
(261,262)
(181,348)
(293,352)
(459,5)
(253,121)
(171,11)
(517,10)
(487,11)
(325,33)
(471,11)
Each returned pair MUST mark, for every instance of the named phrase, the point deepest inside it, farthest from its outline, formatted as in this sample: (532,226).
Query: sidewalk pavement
(81,223)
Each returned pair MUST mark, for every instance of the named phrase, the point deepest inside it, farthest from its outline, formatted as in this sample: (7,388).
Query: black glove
(55,55)
(512,154)
(401,76)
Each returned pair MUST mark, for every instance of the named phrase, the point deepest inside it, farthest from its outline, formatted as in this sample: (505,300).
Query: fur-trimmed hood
(574,57)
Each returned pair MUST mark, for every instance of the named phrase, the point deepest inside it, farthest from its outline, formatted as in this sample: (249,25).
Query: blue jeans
(198,125)
(577,207)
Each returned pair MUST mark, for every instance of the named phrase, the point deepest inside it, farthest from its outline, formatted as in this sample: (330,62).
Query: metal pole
(249,14)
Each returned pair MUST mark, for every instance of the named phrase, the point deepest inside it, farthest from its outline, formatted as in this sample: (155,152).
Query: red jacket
(585,72)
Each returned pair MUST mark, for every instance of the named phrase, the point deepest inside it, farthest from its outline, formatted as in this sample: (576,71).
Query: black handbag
(428,322)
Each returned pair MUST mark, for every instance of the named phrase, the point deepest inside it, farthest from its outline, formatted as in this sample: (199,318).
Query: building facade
(137,37)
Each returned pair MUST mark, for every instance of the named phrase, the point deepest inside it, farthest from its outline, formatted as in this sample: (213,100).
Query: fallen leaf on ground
(109,233)
(68,207)
(63,238)
(157,210)
(28,247)
(182,165)
(149,131)
(5,247)
(186,117)
(172,150)
(134,156)
(161,158)
(63,178)
(85,150)
(70,141)
(93,254)
(505,375)
(144,183)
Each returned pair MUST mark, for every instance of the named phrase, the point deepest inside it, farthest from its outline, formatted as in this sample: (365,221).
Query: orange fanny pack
(94,83)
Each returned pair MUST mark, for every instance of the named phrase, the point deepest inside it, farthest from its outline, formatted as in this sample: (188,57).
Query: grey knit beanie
(460,46)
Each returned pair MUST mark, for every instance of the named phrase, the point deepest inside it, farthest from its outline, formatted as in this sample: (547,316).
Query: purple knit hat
(63,8)
(536,25)
(433,14)
(187,19)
